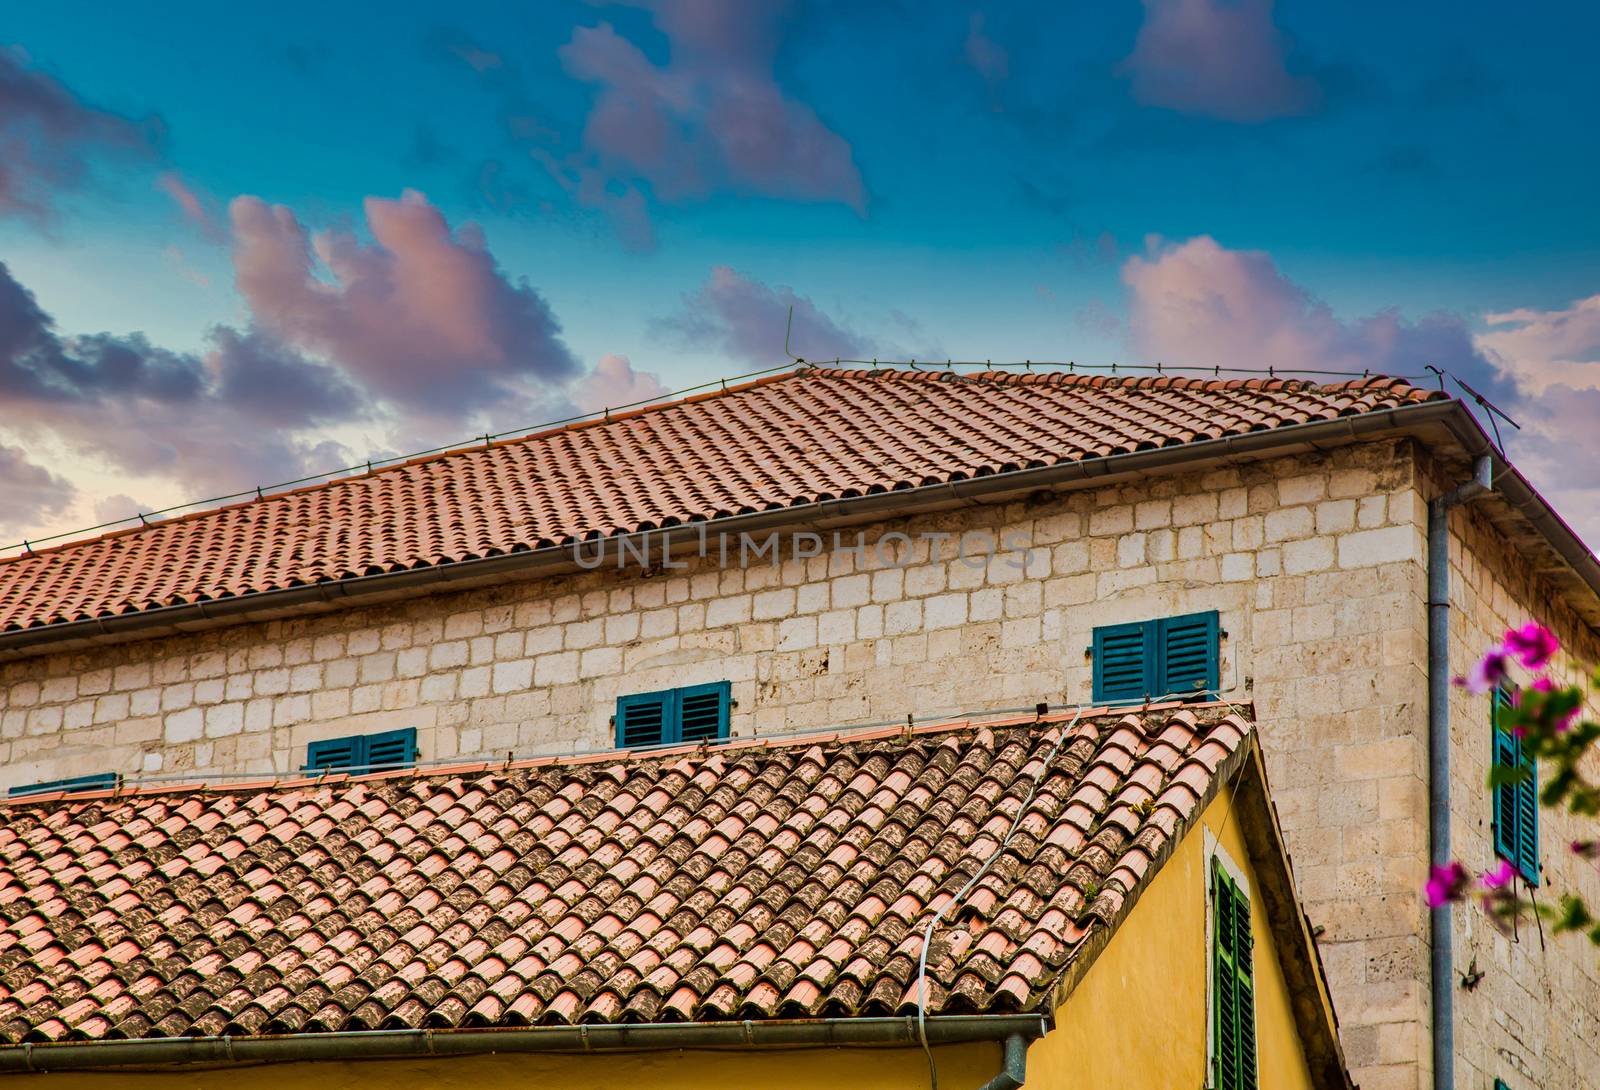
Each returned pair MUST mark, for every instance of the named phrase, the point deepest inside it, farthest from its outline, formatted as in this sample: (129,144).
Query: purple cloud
(423,316)
(745,319)
(48,135)
(1217,58)
(614,383)
(712,119)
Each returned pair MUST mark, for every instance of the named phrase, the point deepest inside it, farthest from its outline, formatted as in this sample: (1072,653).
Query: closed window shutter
(1516,805)
(1188,650)
(703,712)
(1233,998)
(1527,859)
(1124,662)
(336,753)
(645,719)
(392,748)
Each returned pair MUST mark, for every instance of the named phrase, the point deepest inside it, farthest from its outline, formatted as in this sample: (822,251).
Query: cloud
(712,119)
(1198,303)
(745,319)
(196,208)
(614,383)
(1542,348)
(422,316)
(983,54)
(48,135)
(216,421)
(1216,58)
(28,492)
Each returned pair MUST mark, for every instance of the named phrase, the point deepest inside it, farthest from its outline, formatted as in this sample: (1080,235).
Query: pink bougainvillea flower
(1498,878)
(1488,672)
(1586,849)
(1448,883)
(1543,685)
(1533,644)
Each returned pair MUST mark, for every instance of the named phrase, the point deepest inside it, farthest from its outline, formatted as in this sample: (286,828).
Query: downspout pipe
(1014,1071)
(1443,970)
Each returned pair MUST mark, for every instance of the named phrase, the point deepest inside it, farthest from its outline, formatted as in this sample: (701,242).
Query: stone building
(835,548)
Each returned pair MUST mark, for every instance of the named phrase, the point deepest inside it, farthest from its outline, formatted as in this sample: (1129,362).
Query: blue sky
(607,200)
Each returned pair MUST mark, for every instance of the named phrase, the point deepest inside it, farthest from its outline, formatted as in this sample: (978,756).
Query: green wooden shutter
(391,748)
(1188,650)
(1516,805)
(336,753)
(1233,997)
(646,719)
(703,712)
(1124,662)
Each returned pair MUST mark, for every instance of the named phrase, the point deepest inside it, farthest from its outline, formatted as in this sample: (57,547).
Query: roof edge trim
(399,1044)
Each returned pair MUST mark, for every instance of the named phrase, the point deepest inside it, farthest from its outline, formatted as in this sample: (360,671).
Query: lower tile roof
(752,880)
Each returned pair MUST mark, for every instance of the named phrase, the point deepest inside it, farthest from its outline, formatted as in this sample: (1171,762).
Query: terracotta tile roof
(754,880)
(793,439)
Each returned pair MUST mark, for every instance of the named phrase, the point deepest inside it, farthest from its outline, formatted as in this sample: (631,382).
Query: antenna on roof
(788,329)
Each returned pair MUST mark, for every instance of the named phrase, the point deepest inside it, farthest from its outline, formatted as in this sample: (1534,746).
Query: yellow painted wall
(961,1067)
(1139,1018)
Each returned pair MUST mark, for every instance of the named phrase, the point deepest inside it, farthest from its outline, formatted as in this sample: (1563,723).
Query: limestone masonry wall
(1315,564)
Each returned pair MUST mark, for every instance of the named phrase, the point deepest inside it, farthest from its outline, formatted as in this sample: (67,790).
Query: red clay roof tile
(336,928)
(794,439)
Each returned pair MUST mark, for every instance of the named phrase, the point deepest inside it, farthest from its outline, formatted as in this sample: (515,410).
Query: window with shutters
(368,752)
(1516,804)
(75,783)
(1164,657)
(694,713)
(1233,993)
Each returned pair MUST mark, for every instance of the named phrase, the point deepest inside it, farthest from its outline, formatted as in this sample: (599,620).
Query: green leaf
(1505,775)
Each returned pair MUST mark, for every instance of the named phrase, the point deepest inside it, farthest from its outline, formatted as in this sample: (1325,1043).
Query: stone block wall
(1533,1019)
(1315,564)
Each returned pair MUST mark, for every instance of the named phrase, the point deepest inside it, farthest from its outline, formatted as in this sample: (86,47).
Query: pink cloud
(713,118)
(48,136)
(422,316)
(1198,303)
(613,383)
(195,208)
(1218,58)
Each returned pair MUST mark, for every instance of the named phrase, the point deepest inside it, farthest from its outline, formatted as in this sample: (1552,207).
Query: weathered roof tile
(359,934)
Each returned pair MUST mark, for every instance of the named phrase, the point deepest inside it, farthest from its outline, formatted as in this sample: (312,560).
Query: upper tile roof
(800,437)
(751,880)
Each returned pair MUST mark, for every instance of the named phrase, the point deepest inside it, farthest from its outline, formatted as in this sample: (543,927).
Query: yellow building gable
(1140,1016)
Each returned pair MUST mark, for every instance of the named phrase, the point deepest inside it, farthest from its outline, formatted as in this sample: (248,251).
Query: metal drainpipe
(1439,757)
(1014,1071)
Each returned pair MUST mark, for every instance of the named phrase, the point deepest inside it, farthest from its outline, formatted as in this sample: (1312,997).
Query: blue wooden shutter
(1124,662)
(1233,984)
(1187,650)
(646,719)
(336,753)
(391,748)
(1527,858)
(703,712)
(74,783)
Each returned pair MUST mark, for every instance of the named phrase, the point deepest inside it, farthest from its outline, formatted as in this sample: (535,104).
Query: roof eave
(422,1043)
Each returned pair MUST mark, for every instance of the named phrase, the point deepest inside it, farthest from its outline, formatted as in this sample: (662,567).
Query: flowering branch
(1545,719)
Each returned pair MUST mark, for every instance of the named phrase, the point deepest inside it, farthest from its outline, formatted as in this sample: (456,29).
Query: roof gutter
(414,1043)
(557,558)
